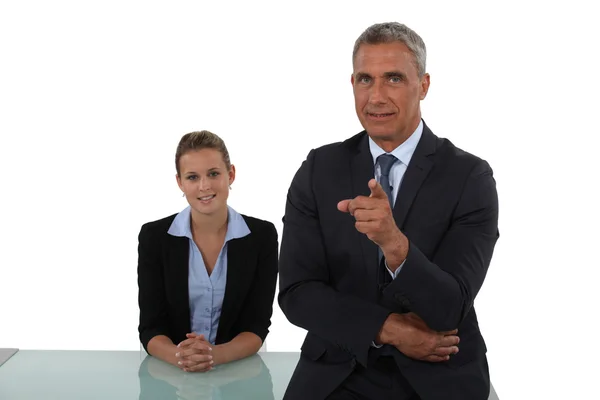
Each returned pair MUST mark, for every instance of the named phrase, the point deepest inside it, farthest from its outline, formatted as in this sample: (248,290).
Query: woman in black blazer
(207,275)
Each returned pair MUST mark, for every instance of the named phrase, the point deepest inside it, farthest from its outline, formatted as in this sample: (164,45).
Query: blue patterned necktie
(385,162)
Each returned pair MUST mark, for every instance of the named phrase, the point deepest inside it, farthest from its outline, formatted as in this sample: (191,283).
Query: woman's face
(205,180)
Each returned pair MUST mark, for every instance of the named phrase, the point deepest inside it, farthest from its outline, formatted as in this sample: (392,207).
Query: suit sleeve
(442,290)
(306,296)
(151,294)
(258,308)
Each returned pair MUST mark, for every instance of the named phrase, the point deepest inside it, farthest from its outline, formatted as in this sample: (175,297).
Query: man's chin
(379,134)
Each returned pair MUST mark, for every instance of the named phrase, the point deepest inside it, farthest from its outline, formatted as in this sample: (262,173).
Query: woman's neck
(214,224)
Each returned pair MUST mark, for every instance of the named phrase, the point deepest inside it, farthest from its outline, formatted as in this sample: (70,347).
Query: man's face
(388,91)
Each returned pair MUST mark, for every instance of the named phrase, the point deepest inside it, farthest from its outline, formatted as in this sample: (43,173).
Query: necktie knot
(385,163)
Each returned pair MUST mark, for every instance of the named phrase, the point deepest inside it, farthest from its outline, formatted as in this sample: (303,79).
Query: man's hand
(409,334)
(374,218)
(195,354)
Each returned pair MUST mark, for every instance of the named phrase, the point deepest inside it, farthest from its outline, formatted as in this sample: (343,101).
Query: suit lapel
(178,257)
(237,277)
(363,171)
(418,169)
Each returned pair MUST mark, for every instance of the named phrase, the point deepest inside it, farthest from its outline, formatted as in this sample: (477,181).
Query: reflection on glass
(244,379)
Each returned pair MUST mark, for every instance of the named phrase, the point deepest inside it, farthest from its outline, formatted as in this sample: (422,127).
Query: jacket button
(403,301)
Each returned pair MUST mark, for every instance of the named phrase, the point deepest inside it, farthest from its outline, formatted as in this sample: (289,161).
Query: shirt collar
(404,152)
(236,225)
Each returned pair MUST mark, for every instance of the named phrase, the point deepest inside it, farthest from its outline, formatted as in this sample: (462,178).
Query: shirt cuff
(394,274)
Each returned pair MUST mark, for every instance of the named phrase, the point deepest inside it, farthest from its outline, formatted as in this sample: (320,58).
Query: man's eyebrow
(391,74)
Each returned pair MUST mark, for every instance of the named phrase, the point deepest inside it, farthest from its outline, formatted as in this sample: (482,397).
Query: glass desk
(115,375)
(5,354)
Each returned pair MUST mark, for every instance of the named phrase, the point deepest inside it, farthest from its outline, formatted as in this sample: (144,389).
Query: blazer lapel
(418,169)
(178,257)
(363,171)
(238,275)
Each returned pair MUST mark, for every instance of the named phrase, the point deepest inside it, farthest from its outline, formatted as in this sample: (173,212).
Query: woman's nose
(204,184)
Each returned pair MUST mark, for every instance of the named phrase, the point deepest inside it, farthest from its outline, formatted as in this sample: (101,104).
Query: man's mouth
(379,115)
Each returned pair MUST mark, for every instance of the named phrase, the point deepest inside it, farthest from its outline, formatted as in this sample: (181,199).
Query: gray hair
(389,32)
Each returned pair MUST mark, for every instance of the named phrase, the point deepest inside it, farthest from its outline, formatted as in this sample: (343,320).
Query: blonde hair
(199,140)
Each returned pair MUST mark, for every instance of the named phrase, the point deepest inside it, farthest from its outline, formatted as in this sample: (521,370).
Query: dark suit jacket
(163,282)
(447,206)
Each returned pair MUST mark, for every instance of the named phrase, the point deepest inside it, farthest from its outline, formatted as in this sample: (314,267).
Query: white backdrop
(95,96)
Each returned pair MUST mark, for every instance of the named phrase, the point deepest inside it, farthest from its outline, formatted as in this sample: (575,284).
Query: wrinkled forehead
(383,58)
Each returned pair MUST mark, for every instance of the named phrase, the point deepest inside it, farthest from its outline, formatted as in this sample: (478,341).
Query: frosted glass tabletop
(5,354)
(115,375)
(66,375)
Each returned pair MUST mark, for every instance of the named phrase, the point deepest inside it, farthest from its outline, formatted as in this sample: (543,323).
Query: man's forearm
(396,251)
(412,337)
(344,320)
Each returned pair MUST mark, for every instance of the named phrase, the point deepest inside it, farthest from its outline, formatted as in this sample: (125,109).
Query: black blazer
(163,282)
(447,206)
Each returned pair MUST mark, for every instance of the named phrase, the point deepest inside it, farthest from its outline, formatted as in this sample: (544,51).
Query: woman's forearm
(162,347)
(243,345)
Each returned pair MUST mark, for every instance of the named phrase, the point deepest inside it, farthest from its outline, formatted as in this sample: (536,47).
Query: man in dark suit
(387,240)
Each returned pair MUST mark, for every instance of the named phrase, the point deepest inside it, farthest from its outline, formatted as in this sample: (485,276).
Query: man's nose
(377,95)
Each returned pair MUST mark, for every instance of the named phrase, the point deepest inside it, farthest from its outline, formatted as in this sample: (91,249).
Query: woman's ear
(231,174)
